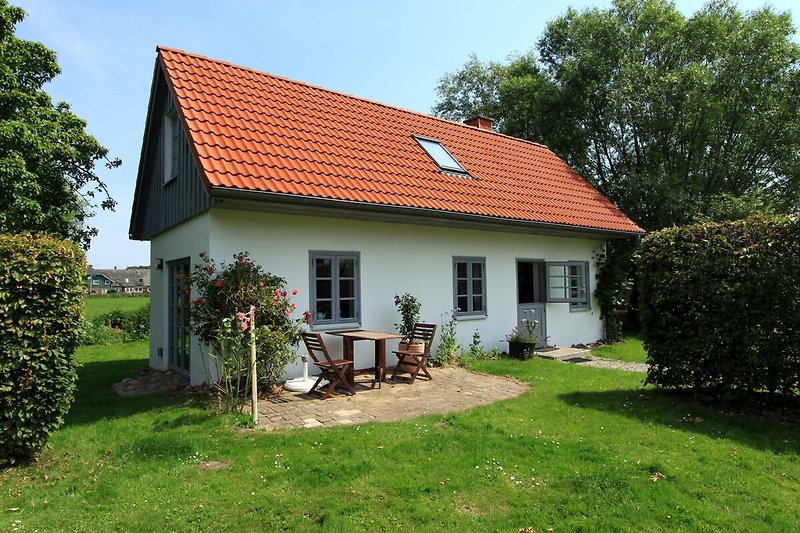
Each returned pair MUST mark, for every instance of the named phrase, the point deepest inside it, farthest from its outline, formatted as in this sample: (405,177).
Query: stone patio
(452,389)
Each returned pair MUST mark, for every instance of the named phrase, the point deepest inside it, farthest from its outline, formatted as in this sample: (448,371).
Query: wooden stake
(254,384)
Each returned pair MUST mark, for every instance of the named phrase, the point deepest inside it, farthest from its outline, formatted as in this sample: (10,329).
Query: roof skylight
(440,155)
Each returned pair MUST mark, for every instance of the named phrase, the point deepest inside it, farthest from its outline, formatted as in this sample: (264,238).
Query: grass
(630,350)
(586,448)
(96,306)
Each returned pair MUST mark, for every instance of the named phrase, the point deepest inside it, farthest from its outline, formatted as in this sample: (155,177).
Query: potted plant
(522,340)
(408,306)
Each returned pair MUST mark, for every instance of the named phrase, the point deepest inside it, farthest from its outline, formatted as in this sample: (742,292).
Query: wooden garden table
(348,341)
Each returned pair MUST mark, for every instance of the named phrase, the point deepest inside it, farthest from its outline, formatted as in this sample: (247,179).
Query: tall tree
(47,160)
(664,114)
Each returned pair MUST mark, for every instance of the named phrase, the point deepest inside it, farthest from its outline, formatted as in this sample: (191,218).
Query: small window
(469,285)
(335,288)
(171,146)
(140,280)
(108,282)
(95,282)
(568,282)
(440,155)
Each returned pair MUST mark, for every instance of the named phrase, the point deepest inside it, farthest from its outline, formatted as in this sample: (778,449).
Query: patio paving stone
(451,389)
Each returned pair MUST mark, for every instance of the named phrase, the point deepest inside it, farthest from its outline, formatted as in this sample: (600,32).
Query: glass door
(179,319)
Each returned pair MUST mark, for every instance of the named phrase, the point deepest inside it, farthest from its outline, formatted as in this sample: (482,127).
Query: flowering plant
(525,332)
(221,316)
(447,351)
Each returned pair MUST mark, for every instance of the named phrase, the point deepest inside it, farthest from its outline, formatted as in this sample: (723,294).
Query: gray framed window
(179,319)
(440,155)
(567,282)
(469,285)
(335,287)
(171,145)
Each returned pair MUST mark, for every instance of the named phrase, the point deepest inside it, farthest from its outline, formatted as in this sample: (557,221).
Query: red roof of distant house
(255,131)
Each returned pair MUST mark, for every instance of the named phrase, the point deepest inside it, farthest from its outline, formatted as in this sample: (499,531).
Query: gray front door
(530,296)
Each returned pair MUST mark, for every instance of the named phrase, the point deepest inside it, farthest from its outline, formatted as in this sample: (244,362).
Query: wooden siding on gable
(167,204)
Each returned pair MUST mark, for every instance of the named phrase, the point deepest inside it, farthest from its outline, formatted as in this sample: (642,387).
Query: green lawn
(586,448)
(98,305)
(630,350)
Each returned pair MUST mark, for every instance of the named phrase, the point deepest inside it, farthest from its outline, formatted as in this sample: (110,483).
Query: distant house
(122,280)
(354,201)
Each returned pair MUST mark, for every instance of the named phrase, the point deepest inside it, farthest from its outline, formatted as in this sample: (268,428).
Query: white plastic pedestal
(305,383)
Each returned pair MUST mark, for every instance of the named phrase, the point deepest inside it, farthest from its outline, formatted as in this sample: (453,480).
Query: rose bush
(221,319)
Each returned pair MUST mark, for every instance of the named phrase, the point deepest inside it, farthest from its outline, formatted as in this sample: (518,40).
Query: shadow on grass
(96,400)
(774,430)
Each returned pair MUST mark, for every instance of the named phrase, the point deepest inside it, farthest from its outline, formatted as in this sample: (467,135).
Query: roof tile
(257,131)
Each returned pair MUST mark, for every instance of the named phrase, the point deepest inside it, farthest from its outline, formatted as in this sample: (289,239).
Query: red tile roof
(255,131)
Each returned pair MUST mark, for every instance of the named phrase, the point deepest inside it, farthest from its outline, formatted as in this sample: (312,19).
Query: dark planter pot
(520,350)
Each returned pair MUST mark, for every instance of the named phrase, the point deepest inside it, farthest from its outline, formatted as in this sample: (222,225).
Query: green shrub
(477,352)
(40,317)
(720,306)
(118,326)
(447,351)
(94,332)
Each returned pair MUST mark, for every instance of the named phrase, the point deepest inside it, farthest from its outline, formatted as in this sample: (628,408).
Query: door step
(560,354)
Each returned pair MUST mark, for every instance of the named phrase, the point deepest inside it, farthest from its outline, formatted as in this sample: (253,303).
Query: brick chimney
(480,122)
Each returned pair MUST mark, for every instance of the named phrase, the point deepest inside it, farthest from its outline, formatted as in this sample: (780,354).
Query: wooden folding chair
(413,362)
(334,370)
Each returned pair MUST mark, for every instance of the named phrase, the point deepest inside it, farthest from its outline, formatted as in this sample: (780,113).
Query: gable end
(161,203)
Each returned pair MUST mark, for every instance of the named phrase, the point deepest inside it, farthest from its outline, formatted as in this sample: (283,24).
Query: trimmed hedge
(41,303)
(720,306)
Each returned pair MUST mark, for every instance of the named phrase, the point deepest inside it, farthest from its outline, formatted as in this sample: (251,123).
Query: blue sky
(392,52)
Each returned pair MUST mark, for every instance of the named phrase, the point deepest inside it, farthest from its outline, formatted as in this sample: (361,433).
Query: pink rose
(294,292)
(260,283)
(218,284)
(243,326)
(287,313)
(201,254)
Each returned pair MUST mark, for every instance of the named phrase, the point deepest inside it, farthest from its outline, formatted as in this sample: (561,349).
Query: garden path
(599,362)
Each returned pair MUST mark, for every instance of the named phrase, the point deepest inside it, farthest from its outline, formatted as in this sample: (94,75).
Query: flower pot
(415,347)
(521,350)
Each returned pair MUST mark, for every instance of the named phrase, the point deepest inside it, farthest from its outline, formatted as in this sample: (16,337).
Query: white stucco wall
(395,258)
(183,241)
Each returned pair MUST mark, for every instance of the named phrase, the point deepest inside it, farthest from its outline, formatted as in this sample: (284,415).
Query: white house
(354,201)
